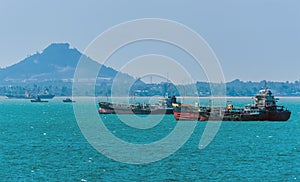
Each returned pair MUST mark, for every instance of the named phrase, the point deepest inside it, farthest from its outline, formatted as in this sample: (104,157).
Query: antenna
(167,86)
(265,87)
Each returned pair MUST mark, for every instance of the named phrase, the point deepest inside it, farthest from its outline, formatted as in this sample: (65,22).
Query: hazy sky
(253,39)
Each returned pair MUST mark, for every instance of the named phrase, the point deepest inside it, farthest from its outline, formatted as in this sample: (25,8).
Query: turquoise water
(42,142)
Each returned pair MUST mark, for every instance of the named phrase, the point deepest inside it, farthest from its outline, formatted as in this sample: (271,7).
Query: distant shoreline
(179,97)
(246,97)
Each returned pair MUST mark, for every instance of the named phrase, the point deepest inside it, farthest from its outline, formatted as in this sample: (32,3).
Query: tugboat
(68,100)
(263,109)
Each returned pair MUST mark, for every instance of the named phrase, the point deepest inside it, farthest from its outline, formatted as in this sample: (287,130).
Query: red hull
(203,118)
(186,116)
(264,116)
(105,111)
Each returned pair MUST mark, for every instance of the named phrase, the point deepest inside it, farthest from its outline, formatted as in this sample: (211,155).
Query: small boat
(38,99)
(68,100)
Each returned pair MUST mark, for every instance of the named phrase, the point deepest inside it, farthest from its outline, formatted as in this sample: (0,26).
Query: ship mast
(265,94)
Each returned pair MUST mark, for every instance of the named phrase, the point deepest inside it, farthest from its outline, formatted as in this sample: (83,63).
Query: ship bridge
(264,99)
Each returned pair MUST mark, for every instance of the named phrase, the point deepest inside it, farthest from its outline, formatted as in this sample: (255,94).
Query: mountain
(56,62)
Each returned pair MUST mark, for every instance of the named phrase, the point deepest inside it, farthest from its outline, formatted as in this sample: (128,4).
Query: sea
(45,142)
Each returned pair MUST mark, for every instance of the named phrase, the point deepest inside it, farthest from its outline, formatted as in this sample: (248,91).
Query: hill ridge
(57,61)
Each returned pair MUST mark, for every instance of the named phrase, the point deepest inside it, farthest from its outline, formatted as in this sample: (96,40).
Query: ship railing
(280,108)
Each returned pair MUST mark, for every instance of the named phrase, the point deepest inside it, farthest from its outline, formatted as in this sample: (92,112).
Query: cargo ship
(164,106)
(263,109)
